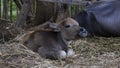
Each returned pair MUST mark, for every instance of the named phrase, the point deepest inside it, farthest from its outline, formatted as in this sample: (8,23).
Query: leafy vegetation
(14,10)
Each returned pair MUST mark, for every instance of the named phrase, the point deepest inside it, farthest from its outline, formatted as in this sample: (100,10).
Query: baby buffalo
(54,43)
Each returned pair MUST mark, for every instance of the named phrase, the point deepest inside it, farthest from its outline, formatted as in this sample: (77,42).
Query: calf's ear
(55,27)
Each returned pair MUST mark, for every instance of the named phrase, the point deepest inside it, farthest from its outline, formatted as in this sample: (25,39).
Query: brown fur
(52,43)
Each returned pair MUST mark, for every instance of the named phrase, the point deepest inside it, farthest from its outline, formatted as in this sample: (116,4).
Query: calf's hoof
(70,53)
(62,54)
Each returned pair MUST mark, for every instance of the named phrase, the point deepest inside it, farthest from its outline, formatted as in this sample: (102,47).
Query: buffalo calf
(54,43)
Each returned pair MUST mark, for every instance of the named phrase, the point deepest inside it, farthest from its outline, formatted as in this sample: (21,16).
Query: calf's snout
(83,32)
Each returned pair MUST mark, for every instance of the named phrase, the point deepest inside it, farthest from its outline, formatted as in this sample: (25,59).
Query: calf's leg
(52,53)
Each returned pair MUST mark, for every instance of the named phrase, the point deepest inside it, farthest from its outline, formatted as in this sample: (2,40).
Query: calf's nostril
(83,32)
(82,29)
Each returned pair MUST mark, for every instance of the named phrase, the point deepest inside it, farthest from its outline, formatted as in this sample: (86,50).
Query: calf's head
(69,28)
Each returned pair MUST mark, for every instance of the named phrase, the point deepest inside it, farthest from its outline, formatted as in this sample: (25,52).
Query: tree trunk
(44,11)
(21,19)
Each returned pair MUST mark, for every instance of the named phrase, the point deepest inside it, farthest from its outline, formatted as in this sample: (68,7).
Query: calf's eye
(67,26)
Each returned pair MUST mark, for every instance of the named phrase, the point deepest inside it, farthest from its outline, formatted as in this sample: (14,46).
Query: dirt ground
(96,52)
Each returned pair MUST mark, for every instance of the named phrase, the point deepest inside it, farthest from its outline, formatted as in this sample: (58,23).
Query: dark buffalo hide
(101,18)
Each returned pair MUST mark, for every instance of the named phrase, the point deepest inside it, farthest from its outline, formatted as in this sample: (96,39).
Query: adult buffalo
(101,18)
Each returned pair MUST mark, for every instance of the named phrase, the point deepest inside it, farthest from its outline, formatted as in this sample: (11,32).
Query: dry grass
(97,52)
